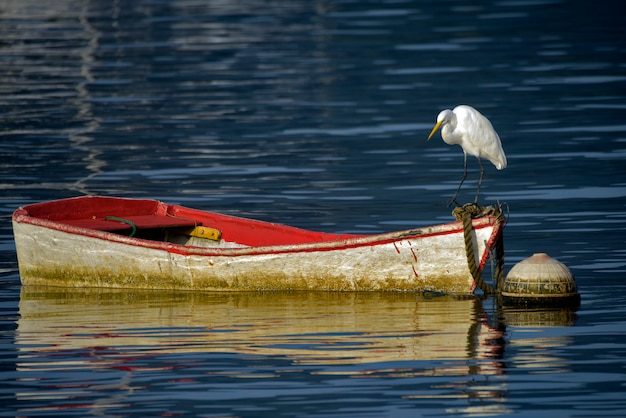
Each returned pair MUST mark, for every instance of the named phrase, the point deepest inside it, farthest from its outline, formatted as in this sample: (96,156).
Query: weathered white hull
(428,259)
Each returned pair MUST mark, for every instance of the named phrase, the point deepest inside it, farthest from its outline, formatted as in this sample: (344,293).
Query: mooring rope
(465,214)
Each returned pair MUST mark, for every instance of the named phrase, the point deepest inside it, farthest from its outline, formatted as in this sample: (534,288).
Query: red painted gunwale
(83,215)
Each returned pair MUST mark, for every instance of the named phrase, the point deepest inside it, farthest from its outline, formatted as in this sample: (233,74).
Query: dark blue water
(315,114)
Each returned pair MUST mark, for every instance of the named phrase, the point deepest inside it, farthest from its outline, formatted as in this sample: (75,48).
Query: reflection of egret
(468,128)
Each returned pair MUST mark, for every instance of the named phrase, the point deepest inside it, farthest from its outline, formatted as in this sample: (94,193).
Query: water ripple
(316,114)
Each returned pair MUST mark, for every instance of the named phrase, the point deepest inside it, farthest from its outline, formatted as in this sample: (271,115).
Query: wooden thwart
(122,223)
(140,221)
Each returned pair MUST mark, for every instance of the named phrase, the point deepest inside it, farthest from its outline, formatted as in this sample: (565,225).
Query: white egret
(468,128)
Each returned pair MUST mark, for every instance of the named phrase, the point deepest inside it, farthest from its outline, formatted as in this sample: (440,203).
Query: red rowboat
(95,241)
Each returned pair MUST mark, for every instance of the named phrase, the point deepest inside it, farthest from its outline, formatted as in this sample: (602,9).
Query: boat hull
(427,259)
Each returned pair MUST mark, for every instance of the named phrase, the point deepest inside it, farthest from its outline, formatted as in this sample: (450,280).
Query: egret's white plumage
(468,128)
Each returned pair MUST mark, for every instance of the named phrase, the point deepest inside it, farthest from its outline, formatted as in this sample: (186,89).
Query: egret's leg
(462,180)
(480,179)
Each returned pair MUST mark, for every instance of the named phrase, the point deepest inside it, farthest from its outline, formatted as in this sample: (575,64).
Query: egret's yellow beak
(437,126)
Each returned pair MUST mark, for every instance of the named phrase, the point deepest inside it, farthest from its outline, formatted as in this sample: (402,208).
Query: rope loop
(126,221)
(466,214)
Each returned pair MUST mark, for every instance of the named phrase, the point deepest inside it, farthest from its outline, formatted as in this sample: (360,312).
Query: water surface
(315,114)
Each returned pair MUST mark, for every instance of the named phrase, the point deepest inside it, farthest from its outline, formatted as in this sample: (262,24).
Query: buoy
(540,280)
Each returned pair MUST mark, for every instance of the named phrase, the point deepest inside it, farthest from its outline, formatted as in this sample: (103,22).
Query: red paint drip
(415,272)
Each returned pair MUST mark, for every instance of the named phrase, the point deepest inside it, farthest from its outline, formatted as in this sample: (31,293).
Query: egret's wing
(479,137)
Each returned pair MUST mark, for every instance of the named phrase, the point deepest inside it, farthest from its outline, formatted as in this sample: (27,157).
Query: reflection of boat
(132,243)
(305,327)
(130,342)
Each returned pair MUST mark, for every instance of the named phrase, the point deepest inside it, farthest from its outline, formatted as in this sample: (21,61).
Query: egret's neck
(448,135)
